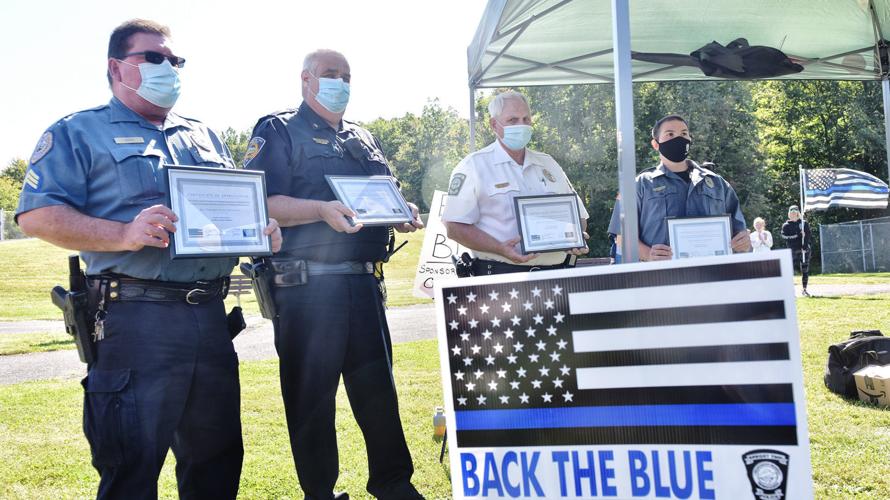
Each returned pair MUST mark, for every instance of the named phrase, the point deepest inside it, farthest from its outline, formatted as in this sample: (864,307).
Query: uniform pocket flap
(121,154)
(502,188)
(107,380)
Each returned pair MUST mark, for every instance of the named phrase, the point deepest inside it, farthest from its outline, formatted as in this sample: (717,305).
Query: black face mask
(676,149)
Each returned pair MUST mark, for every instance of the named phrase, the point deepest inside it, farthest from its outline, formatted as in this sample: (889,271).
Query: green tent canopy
(556,42)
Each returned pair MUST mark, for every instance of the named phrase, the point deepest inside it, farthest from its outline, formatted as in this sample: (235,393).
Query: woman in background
(761,239)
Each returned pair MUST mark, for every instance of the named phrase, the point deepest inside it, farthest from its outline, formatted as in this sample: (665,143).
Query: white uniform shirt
(484,184)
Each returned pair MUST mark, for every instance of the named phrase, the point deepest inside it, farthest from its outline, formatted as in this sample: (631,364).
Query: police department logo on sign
(768,473)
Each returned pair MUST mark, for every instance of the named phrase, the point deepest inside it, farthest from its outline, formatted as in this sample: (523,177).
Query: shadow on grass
(55,343)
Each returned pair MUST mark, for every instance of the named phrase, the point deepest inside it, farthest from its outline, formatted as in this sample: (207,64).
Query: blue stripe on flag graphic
(637,415)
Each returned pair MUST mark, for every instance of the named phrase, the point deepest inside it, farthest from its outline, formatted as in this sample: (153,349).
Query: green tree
(15,170)
(237,143)
(818,124)
(423,150)
(9,194)
(11,179)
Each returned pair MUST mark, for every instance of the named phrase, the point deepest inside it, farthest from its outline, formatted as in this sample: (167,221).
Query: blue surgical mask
(517,136)
(160,83)
(333,94)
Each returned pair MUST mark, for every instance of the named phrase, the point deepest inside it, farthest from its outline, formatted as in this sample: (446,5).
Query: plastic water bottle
(439,424)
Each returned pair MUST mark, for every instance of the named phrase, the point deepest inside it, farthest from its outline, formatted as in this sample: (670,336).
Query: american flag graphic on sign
(662,356)
(842,187)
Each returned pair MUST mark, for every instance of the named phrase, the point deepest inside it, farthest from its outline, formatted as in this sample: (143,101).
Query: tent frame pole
(472,118)
(885,90)
(624,121)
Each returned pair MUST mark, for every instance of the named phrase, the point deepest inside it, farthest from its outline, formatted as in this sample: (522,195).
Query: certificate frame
(193,193)
(716,243)
(392,210)
(531,238)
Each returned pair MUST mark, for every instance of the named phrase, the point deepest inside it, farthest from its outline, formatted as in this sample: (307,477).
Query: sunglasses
(158,58)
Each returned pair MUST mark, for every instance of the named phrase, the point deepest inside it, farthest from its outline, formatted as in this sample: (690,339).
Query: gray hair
(311,59)
(496,105)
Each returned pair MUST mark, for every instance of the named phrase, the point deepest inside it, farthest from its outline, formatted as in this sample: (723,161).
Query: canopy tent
(562,42)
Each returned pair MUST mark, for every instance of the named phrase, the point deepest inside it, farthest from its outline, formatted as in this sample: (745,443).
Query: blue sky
(243,57)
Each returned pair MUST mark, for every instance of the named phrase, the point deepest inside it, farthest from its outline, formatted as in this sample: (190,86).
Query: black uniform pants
(165,376)
(334,325)
(801,260)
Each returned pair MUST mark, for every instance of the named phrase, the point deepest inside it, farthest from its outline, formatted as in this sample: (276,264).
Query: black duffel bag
(863,348)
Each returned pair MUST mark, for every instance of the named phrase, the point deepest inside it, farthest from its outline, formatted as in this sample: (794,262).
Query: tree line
(757,134)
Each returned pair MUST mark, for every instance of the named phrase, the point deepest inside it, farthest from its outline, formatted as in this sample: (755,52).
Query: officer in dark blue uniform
(165,373)
(331,317)
(679,187)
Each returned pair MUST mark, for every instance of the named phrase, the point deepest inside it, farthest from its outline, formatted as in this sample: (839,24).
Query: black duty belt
(117,288)
(486,267)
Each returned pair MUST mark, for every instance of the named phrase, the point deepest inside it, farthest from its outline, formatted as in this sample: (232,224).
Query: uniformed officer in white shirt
(479,211)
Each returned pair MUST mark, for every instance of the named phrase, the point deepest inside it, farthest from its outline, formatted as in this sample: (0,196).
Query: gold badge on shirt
(709,182)
(549,176)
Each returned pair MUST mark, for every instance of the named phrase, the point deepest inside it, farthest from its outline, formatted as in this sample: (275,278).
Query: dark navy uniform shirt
(662,193)
(296,149)
(104,162)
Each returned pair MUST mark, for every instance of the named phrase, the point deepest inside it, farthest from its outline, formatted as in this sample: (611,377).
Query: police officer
(797,235)
(330,310)
(679,187)
(479,213)
(166,373)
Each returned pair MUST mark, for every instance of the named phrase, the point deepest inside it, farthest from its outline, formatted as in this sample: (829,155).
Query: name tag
(319,140)
(129,140)
(502,185)
(659,189)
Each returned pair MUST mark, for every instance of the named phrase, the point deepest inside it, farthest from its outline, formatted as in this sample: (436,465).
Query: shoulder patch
(43,146)
(253,149)
(457,182)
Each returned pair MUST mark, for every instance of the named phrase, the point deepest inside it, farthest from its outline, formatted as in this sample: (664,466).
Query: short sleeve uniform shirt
(484,184)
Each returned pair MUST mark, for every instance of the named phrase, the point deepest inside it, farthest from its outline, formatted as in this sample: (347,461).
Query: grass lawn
(34,267)
(22,343)
(44,453)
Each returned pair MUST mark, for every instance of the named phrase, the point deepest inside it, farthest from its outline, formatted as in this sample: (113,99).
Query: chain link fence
(9,230)
(855,247)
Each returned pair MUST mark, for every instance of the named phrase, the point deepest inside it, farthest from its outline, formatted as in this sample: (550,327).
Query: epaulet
(284,114)
(88,110)
(643,172)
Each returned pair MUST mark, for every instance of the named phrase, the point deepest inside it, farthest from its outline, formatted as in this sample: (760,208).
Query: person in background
(796,233)
(761,239)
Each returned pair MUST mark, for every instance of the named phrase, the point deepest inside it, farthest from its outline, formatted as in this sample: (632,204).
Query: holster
(76,310)
(261,279)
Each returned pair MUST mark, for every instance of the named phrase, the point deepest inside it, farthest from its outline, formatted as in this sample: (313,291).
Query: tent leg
(885,88)
(624,121)
(472,119)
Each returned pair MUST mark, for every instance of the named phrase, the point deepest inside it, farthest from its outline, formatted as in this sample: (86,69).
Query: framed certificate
(222,212)
(376,200)
(699,236)
(548,223)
